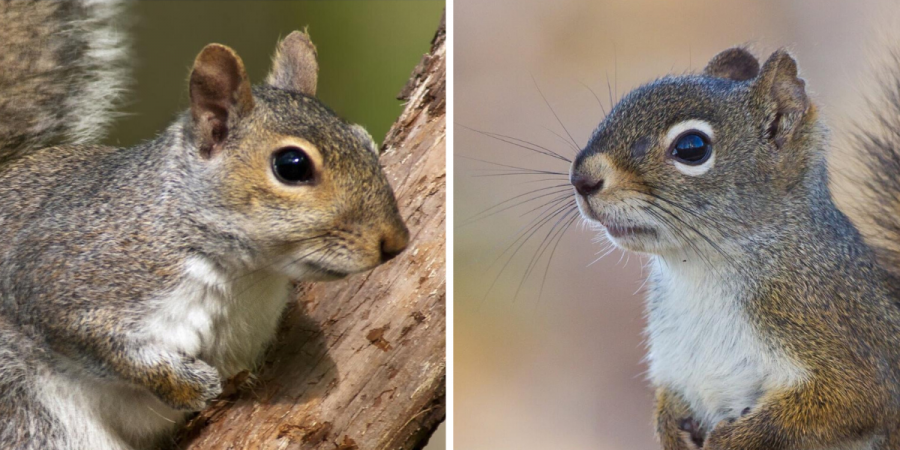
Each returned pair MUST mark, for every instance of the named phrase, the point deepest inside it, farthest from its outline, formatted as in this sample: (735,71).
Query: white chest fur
(226,320)
(703,346)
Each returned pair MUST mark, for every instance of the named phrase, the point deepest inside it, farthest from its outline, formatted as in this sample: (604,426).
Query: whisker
(717,222)
(506,174)
(521,143)
(609,89)
(705,238)
(522,239)
(537,181)
(536,171)
(596,97)
(552,252)
(680,234)
(682,237)
(536,223)
(558,199)
(644,283)
(257,282)
(542,247)
(266,266)
(559,136)
(559,188)
(611,248)
(574,143)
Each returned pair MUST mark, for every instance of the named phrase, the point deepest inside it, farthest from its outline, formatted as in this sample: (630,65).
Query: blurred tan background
(367,51)
(563,370)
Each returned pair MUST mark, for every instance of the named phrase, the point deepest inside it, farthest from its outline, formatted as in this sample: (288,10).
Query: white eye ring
(677,130)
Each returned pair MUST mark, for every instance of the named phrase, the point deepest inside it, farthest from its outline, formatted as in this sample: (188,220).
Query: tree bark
(359,364)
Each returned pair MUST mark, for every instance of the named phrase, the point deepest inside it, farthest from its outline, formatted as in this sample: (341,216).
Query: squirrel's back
(61,70)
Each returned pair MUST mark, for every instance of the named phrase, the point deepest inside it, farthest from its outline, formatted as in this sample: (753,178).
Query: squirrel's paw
(726,435)
(194,385)
(721,437)
(730,434)
(692,432)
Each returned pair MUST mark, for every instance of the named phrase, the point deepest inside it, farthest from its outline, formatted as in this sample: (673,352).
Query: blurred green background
(367,50)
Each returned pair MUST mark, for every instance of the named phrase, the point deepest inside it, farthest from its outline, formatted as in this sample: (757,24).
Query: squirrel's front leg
(676,429)
(179,380)
(816,414)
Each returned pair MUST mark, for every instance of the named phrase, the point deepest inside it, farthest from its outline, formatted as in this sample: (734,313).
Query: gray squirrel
(133,281)
(772,323)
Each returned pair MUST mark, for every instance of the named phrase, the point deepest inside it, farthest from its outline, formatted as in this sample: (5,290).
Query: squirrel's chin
(639,240)
(314,272)
(324,276)
(304,271)
(629,232)
(633,243)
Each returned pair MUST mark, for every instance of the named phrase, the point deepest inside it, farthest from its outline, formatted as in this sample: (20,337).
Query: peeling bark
(359,364)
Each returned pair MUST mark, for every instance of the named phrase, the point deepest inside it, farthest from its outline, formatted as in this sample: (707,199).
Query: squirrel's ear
(734,64)
(220,93)
(295,67)
(365,136)
(784,94)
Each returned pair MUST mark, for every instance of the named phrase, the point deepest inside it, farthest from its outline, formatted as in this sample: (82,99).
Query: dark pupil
(292,165)
(691,148)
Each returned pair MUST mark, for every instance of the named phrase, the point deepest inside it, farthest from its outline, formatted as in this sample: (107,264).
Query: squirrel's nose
(393,243)
(586,185)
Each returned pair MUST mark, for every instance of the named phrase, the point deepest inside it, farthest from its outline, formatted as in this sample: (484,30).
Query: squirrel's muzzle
(586,185)
(394,242)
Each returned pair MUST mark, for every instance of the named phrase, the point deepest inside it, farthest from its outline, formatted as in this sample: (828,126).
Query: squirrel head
(302,187)
(702,158)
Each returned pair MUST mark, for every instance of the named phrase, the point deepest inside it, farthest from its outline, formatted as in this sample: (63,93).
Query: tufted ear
(734,64)
(783,92)
(295,67)
(220,94)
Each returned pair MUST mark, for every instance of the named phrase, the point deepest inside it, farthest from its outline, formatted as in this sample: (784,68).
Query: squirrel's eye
(691,148)
(293,166)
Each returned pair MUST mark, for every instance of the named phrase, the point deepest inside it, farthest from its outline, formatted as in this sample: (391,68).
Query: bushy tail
(879,142)
(61,71)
